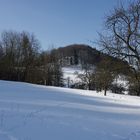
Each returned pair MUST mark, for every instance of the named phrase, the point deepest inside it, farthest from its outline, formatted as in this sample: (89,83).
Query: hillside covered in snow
(33,112)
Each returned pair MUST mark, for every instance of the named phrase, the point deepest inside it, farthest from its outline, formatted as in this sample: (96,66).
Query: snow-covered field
(70,74)
(33,112)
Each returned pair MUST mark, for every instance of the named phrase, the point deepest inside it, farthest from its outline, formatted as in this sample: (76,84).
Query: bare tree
(29,46)
(52,72)
(9,45)
(87,77)
(18,53)
(122,39)
(104,75)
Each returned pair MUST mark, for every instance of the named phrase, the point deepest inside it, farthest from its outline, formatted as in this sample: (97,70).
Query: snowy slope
(33,112)
(70,74)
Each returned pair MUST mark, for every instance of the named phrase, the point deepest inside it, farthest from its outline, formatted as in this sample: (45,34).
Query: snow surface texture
(33,112)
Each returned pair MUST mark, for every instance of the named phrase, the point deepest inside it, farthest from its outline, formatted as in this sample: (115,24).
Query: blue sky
(56,22)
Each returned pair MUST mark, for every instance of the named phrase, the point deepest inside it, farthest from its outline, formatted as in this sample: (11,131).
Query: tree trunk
(138,91)
(105,91)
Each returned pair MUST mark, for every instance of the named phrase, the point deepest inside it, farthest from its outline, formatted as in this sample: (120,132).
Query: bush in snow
(119,89)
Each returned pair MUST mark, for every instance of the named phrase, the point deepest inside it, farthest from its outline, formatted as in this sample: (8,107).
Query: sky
(57,23)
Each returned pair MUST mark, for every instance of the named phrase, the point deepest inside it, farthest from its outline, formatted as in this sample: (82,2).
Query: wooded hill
(100,69)
(80,54)
(22,60)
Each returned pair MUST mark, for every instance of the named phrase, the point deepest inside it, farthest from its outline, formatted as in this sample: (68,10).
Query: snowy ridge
(33,112)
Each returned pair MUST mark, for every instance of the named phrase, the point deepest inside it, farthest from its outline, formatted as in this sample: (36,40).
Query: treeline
(21,59)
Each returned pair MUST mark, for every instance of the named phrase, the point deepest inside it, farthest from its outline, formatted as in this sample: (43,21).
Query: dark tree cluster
(78,54)
(22,60)
(102,76)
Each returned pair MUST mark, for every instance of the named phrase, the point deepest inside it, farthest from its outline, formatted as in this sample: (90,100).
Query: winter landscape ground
(33,112)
